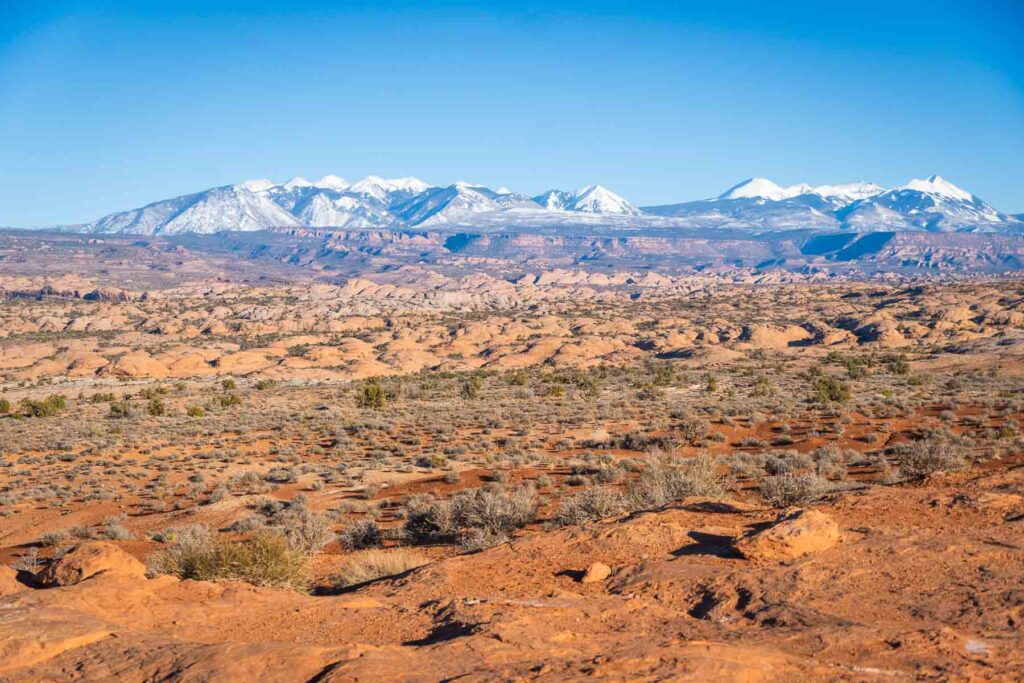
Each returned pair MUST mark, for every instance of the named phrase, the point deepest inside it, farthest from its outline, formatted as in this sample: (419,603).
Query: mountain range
(757,204)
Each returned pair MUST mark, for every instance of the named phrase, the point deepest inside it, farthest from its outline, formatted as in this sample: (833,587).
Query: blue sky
(106,106)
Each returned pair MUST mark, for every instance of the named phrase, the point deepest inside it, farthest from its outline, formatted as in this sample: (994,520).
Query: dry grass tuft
(371,565)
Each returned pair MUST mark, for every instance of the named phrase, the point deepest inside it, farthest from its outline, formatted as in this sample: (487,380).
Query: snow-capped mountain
(756,204)
(204,212)
(390,192)
(457,202)
(597,199)
(933,204)
(842,195)
(554,200)
(762,188)
(589,199)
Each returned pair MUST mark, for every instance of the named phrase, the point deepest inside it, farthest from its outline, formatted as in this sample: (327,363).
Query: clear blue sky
(109,105)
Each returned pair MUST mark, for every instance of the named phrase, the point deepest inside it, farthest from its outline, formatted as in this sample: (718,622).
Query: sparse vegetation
(928,456)
(265,559)
(372,565)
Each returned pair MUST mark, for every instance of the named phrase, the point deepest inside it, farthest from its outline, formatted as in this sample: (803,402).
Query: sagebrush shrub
(360,535)
(589,505)
(667,478)
(792,489)
(927,456)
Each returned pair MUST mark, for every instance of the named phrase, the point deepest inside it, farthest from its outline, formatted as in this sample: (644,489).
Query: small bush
(305,530)
(115,531)
(360,535)
(589,505)
(921,458)
(667,478)
(693,429)
(792,489)
(828,389)
(156,408)
(372,395)
(47,407)
(281,475)
(53,538)
(472,386)
(266,559)
(495,511)
(227,400)
(195,411)
(120,410)
(376,564)
(829,462)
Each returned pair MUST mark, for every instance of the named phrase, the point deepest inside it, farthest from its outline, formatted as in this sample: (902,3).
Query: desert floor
(562,475)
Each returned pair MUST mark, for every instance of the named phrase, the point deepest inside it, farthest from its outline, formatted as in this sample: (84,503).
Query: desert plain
(398,462)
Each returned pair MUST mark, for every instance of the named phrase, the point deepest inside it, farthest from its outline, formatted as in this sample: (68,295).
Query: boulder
(598,571)
(9,583)
(796,532)
(89,560)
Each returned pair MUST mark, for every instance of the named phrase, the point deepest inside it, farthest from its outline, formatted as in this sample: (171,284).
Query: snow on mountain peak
(932,204)
(849,192)
(332,182)
(759,188)
(257,185)
(380,187)
(937,185)
(297,182)
(598,199)
(762,188)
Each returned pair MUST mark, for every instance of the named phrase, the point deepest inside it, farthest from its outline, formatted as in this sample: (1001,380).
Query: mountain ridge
(933,204)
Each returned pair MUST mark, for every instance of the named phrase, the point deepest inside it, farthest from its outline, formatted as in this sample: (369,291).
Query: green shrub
(306,531)
(47,407)
(156,407)
(519,378)
(372,395)
(828,389)
(898,365)
(120,410)
(227,400)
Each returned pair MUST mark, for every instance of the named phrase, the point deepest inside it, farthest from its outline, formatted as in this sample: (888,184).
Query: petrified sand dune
(806,607)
